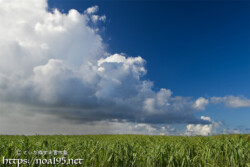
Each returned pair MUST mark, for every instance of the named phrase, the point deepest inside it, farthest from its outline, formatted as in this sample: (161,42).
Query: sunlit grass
(133,150)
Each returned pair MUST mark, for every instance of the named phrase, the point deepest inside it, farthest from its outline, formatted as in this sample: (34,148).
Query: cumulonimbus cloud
(58,63)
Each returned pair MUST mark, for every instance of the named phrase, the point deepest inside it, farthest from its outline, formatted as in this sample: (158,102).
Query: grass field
(125,150)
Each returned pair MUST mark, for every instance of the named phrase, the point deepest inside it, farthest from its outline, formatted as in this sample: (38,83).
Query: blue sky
(147,67)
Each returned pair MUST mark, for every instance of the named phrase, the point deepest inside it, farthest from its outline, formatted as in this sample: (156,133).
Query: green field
(125,150)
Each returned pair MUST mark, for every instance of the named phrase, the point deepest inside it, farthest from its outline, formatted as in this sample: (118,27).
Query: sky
(124,67)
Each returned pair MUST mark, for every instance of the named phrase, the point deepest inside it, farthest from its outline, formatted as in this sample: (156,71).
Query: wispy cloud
(232,101)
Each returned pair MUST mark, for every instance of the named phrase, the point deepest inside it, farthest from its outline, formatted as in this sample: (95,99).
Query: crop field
(125,150)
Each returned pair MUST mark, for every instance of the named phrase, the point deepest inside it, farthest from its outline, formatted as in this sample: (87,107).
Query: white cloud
(102,18)
(96,18)
(198,129)
(204,130)
(200,103)
(232,101)
(206,118)
(92,10)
